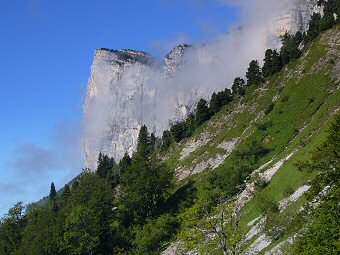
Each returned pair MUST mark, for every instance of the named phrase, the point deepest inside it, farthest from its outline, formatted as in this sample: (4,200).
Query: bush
(151,237)
(267,204)
(264,126)
(269,108)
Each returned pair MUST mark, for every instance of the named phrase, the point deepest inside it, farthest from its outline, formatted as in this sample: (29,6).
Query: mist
(120,104)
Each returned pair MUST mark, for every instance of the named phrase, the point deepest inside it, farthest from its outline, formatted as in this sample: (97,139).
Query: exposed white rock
(259,244)
(174,59)
(294,197)
(246,194)
(268,174)
(251,223)
(255,230)
(228,145)
(127,89)
(193,145)
(277,250)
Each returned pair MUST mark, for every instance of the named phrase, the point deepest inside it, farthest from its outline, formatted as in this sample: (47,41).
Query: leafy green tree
(238,87)
(82,232)
(152,236)
(43,233)
(94,194)
(254,74)
(322,235)
(145,185)
(11,229)
(203,112)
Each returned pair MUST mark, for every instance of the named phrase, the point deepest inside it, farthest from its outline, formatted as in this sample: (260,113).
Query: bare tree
(225,224)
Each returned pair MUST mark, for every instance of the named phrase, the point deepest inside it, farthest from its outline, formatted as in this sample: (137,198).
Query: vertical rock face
(297,17)
(113,108)
(174,59)
(130,88)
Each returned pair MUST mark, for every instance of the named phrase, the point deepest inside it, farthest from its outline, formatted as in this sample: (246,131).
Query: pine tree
(214,103)
(178,131)
(238,87)
(202,112)
(166,139)
(143,146)
(254,74)
(152,142)
(314,27)
(125,163)
(66,193)
(190,125)
(290,48)
(219,100)
(272,63)
(327,21)
(105,164)
(53,192)
(53,198)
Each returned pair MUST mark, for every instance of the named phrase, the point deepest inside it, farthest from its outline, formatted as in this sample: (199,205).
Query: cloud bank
(122,98)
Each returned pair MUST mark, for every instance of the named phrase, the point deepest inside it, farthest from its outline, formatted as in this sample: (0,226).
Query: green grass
(298,120)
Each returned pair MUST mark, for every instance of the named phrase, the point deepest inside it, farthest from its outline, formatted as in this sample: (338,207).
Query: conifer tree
(53,198)
(190,125)
(143,146)
(66,193)
(254,74)
(203,112)
(272,63)
(314,27)
(214,103)
(178,131)
(105,164)
(53,192)
(166,139)
(125,163)
(152,142)
(290,48)
(327,21)
(238,87)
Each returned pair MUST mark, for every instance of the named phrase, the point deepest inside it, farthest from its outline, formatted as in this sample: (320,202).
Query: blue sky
(46,50)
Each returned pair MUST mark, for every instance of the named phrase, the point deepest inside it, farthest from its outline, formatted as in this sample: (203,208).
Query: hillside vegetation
(255,171)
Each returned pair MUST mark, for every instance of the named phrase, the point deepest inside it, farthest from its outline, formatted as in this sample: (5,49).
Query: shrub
(269,108)
(151,236)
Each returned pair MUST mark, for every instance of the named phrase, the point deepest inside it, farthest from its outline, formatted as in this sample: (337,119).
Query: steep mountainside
(287,118)
(254,171)
(126,87)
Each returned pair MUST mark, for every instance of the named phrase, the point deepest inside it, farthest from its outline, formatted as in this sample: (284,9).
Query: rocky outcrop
(128,89)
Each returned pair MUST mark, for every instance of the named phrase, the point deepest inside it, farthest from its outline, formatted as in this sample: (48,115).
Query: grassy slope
(304,97)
